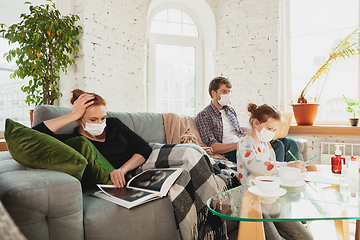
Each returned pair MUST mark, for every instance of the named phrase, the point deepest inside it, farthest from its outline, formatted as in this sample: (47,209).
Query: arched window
(174,63)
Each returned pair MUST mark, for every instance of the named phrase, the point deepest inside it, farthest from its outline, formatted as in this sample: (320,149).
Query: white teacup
(266,184)
(289,175)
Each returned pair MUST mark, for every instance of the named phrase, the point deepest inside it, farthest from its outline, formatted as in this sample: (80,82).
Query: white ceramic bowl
(303,175)
(289,175)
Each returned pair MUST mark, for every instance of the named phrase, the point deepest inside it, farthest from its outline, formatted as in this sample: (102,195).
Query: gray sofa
(48,204)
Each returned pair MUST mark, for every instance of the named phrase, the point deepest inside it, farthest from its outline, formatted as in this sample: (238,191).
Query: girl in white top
(255,154)
(256,157)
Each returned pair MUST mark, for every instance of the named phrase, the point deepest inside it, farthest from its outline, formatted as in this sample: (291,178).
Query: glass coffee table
(300,203)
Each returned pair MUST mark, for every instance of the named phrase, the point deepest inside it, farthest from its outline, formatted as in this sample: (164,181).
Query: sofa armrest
(303,145)
(45,204)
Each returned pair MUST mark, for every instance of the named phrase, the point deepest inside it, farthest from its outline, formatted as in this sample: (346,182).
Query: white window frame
(13,98)
(155,38)
(285,65)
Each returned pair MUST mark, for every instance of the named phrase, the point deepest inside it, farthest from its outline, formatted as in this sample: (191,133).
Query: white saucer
(276,194)
(297,184)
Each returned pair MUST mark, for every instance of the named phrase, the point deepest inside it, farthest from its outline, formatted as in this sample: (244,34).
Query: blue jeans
(280,146)
(231,156)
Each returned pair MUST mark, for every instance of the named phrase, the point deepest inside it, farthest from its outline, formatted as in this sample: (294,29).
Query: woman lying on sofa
(122,147)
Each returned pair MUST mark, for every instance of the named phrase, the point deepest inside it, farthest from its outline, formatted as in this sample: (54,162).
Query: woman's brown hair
(98,100)
(262,112)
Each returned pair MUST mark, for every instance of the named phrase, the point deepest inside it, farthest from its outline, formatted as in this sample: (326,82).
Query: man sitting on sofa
(219,127)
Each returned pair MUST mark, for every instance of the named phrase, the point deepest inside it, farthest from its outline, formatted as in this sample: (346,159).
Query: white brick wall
(247,51)
(112,54)
(112,57)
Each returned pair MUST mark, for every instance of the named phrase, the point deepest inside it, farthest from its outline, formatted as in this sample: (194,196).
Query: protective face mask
(94,129)
(225,100)
(265,135)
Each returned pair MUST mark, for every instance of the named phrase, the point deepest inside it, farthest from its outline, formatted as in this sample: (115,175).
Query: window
(315,27)
(12,103)
(174,72)
(174,21)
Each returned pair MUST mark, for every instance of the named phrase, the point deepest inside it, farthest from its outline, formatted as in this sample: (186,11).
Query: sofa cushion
(150,126)
(38,150)
(156,220)
(98,169)
(44,204)
(123,116)
(46,112)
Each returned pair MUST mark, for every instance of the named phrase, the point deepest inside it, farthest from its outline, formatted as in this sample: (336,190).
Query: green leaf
(32,56)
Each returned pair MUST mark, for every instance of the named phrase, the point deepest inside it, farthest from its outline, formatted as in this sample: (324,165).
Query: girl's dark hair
(262,112)
(98,100)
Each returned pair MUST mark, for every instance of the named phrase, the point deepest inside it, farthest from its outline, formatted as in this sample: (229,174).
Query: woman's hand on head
(118,177)
(297,164)
(81,104)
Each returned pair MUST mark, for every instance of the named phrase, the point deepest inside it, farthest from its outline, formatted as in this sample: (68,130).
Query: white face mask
(265,135)
(225,100)
(94,129)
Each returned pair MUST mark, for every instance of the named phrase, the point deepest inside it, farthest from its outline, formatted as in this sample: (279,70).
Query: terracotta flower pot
(305,113)
(354,122)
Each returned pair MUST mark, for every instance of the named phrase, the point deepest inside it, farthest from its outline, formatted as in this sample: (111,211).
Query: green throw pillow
(98,169)
(34,149)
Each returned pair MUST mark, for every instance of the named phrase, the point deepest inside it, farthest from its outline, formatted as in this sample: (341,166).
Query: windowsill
(325,130)
(3,145)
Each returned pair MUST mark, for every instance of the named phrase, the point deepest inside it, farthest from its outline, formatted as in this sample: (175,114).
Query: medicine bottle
(337,161)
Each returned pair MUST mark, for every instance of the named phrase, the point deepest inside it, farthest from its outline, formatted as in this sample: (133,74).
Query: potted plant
(305,113)
(352,107)
(46,41)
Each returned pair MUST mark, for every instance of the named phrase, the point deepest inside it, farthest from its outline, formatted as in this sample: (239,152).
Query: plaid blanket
(192,189)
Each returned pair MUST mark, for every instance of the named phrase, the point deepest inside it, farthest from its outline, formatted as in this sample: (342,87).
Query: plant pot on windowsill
(354,122)
(305,113)
(347,47)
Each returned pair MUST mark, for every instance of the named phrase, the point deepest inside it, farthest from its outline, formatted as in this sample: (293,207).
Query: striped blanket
(192,189)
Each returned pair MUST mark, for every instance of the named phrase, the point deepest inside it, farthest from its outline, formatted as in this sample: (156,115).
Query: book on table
(148,185)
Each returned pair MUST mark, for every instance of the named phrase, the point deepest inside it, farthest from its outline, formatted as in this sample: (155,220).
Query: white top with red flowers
(255,159)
